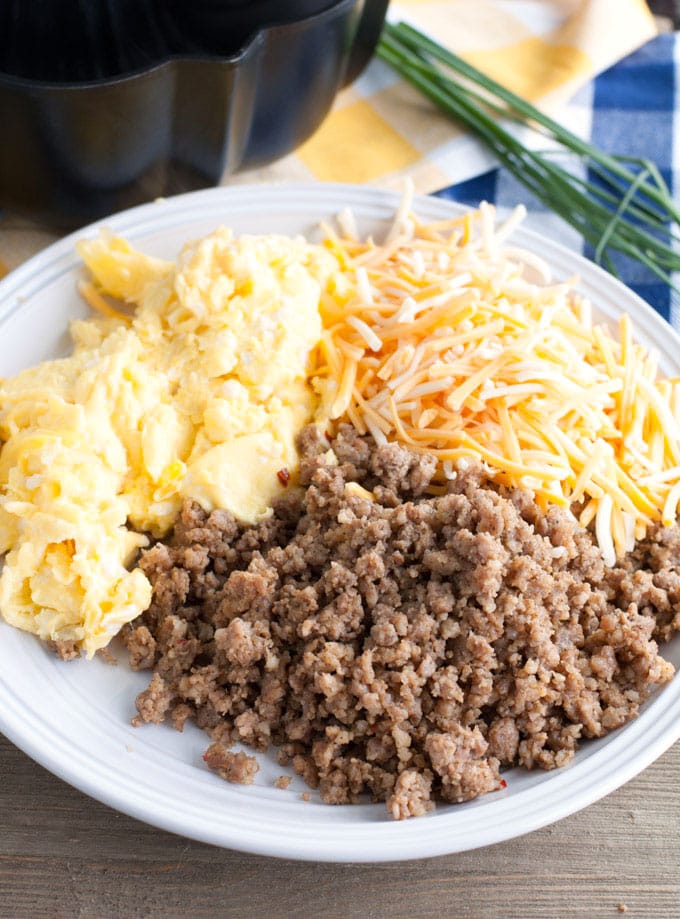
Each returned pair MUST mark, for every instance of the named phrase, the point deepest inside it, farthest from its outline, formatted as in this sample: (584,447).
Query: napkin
(381,129)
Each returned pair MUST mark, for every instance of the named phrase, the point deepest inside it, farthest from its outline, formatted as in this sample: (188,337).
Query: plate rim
(665,728)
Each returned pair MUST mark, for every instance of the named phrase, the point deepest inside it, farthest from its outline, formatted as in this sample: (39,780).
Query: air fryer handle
(366,38)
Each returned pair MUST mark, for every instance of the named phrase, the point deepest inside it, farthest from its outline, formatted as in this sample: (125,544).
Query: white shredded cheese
(366,332)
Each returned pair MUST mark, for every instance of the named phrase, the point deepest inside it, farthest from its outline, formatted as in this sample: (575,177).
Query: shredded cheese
(99,303)
(458,345)
(358,491)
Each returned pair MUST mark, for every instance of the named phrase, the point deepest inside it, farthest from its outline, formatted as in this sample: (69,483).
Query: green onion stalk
(626,207)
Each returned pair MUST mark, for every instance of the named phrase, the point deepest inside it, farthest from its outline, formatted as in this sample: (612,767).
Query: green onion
(628,210)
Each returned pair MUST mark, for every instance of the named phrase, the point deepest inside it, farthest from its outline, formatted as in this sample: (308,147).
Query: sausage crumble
(398,638)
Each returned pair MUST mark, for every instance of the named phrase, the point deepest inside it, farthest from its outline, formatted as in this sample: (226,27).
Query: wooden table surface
(64,855)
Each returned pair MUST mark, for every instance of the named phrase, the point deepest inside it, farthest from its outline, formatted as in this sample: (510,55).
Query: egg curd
(200,394)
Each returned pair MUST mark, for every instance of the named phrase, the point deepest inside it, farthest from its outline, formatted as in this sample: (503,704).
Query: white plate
(74,718)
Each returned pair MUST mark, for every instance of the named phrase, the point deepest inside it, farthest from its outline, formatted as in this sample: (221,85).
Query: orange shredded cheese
(458,345)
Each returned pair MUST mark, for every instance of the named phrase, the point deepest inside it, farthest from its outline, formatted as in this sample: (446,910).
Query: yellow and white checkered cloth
(381,129)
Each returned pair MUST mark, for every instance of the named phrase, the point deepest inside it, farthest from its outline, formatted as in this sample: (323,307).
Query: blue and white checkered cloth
(632,110)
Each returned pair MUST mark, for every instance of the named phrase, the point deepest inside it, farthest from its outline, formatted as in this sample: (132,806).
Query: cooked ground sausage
(398,638)
(238,768)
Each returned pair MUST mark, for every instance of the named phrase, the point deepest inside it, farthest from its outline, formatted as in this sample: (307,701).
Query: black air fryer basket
(109,103)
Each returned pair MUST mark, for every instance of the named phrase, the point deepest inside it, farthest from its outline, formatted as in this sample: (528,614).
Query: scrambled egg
(200,394)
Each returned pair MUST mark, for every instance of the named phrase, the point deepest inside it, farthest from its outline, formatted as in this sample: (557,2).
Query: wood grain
(63,855)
